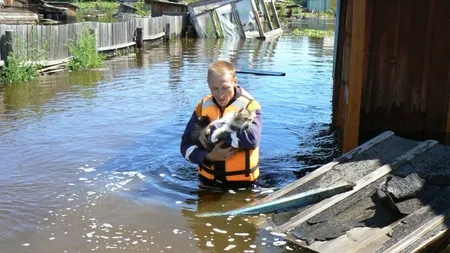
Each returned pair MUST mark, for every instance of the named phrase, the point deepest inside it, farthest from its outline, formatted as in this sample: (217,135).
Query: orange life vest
(244,166)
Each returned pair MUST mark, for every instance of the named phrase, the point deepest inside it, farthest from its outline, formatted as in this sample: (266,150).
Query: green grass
(313,33)
(84,52)
(108,8)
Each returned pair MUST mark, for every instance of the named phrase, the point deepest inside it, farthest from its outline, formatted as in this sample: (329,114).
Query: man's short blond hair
(220,68)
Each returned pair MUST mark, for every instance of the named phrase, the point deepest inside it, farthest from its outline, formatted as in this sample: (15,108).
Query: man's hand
(221,154)
(203,138)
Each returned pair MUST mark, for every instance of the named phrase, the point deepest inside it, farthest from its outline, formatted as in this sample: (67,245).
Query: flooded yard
(90,160)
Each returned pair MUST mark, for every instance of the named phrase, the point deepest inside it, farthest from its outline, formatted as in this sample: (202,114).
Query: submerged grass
(313,33)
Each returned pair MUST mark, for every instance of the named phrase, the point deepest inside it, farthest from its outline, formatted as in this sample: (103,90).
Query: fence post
(167,37)
(139,38)
(9,43)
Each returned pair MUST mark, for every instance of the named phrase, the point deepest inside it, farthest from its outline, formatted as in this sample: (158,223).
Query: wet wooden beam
(327,167)
(417,234)
(360,184)
(356,78)
(345,72)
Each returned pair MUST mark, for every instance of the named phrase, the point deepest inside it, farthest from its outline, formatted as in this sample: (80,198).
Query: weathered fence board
(108,35)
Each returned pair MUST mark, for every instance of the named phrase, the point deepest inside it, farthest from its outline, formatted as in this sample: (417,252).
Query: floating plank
(365,146)
(260,72)
(360,184)
(299,199)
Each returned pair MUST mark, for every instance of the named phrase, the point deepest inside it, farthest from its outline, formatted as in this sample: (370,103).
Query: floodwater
(90,160)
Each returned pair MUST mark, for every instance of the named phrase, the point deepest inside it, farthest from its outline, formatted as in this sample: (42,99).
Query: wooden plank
(338,62)
(238,20)
(377,238)
(360,184)
(427,57)
(417,234)
(432,240)
(351,128)
(325,168)
(438,90)
(266,14)
(258,21)
(414,95)
(353,240)
(447,128)
(275,13)
(343,80)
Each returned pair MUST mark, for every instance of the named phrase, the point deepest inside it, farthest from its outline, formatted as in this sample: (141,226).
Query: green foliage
(297,12)
(142,8)
(17,70)
(84,52)
(331,12)
(21,64)
(108,8)
(282,11)
(313,33)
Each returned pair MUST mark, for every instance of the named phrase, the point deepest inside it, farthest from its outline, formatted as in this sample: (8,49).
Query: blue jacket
(248,139)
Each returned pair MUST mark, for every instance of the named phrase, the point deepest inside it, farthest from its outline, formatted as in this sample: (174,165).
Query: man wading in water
(234,165)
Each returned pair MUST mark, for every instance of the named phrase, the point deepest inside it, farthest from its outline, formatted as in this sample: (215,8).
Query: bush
(84,52)
(21,64)
(142,9)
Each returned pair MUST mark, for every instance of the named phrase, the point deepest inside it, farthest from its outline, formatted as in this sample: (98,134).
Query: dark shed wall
(161,8)
(406,85)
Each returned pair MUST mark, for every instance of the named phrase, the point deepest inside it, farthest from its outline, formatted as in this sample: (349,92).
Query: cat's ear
(241,110)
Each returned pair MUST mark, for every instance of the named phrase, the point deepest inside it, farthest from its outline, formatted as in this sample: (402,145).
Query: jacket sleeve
(189,150)
(250,138)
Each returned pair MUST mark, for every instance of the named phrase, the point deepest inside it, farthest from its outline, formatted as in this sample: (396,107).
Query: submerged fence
(109,36)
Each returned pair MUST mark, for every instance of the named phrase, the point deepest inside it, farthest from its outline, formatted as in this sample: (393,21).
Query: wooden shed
(392,70)
(400,200)
(15,12)
(69,10)
(169,8)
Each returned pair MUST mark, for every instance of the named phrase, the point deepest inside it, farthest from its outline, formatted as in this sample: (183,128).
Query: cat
(232,122)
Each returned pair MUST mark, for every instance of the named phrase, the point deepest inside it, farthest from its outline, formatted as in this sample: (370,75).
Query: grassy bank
(313,33)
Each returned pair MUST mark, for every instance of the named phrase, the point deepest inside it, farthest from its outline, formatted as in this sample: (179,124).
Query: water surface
(90,160)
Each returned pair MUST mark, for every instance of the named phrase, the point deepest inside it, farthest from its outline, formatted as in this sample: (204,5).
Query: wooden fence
(109,36)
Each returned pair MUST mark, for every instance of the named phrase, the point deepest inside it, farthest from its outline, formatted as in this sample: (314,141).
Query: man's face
(222,88)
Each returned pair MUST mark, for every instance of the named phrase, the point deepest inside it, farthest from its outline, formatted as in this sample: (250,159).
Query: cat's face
(244,118)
